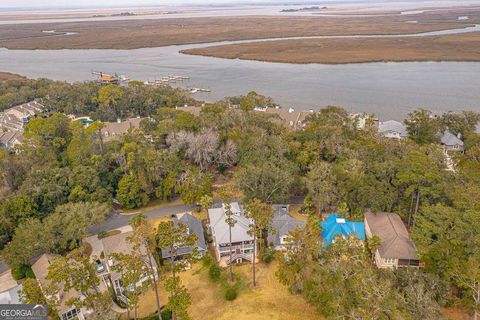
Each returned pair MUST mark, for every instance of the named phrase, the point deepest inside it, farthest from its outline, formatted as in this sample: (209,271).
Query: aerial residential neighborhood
(217,233)
(239,160)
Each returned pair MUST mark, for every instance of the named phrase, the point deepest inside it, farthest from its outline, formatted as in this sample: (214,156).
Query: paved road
(3,267)
(116,221)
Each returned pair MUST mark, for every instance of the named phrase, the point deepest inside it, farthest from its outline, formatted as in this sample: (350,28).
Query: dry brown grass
(270,300)
(294,212)
(132,34)
(460,47)
(455,314)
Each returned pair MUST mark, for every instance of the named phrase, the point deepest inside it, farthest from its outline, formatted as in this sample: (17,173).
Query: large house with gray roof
(451,142)
(193,226)
(393,129)
(396,249)
(281,226)
(242,242)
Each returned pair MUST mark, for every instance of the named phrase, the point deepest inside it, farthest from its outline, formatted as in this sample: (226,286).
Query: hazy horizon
(48,4)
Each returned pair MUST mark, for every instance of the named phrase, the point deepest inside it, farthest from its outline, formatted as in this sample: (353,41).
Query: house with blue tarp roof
(337,225)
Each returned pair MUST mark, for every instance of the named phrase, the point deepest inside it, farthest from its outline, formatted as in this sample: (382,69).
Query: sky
(116,3)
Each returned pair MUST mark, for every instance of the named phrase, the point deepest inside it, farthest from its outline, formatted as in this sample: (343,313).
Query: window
(71,314)
(389,260)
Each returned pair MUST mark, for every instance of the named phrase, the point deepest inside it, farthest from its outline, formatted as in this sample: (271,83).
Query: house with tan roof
(9,289)
(10,139)
(118,244)
(291,118)
(396,249)
(40,269)
(13,121)
(115,129)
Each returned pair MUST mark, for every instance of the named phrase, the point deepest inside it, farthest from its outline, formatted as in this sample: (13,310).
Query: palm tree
(373,244)
(231,223)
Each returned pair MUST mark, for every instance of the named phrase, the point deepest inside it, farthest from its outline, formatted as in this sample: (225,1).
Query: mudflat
(132,34)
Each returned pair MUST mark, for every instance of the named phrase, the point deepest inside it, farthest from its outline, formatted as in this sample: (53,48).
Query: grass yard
(270,300)
(294,212)
(455,313)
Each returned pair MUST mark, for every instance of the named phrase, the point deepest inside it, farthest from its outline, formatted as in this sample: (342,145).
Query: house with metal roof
(281,226)
(193,226)
(336,225)
(393,129)
(451,142)
(242,242)
(396,249)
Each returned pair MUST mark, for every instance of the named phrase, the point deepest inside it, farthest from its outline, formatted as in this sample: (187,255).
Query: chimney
(119,120)
(459,135)
(290,110)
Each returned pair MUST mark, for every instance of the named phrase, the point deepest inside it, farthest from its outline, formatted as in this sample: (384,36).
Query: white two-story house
(242,242)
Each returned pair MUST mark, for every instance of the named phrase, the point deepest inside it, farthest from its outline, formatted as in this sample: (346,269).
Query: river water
(389,90)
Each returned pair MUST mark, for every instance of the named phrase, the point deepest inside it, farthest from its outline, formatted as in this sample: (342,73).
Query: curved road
(117,220)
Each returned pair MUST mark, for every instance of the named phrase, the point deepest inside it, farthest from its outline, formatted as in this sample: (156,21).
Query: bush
(267,257)
(207,260)
(231,294)
(166,314)
(102,234)
(214,272)
(29,273)
(20,271)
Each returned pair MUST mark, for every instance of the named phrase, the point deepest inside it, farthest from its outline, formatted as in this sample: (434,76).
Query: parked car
(100,267)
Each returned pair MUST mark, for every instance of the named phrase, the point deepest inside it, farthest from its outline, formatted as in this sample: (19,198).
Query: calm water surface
(390,90)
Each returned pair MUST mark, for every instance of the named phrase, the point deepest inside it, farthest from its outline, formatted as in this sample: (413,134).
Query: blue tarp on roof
(336,224)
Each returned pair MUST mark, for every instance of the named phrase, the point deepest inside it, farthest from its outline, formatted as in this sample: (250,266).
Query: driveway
(117,221)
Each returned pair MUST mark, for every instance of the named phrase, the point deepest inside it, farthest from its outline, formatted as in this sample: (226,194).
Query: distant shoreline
(4,76)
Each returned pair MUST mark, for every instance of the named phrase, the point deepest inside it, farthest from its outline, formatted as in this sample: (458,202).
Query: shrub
(29,273)
(20,271)
(207,260)
(166,314)
(231,294)
(267,256)
(214,272)
(102,234)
